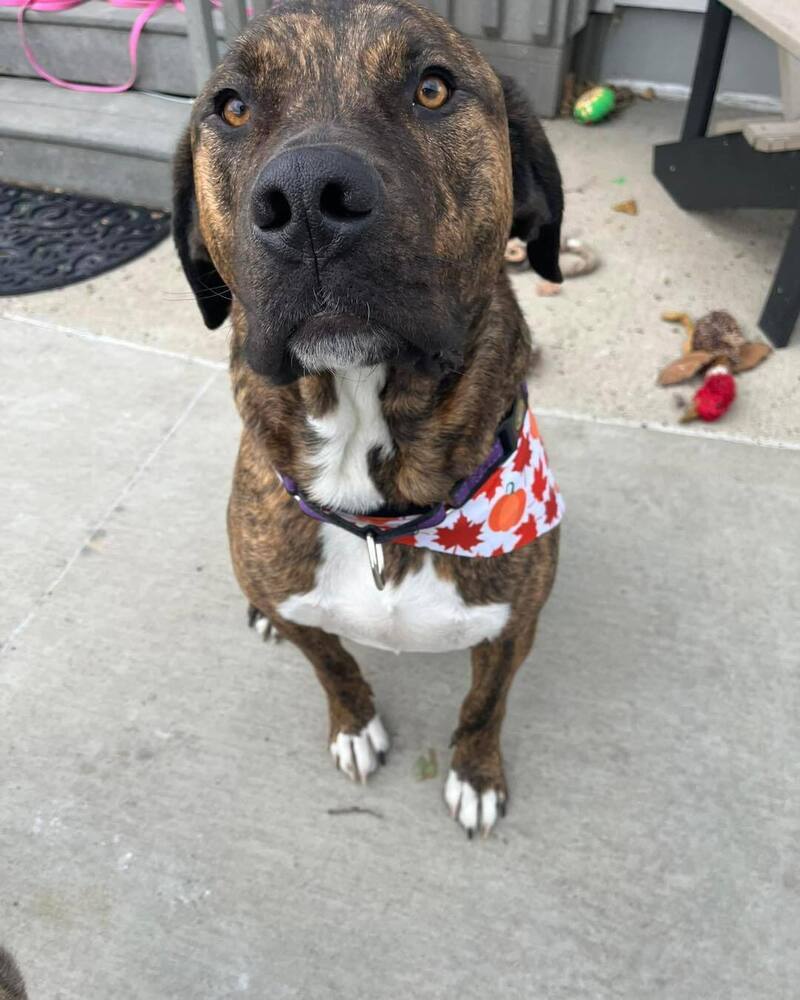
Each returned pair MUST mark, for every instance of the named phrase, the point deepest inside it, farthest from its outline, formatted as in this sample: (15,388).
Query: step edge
(144,107)
(167,22)
(137,152)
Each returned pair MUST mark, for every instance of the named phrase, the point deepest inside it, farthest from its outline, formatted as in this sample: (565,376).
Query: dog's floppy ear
(538,197)
(212,294)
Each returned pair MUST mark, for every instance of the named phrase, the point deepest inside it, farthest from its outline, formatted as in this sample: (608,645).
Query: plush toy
(714,345)
(576,258)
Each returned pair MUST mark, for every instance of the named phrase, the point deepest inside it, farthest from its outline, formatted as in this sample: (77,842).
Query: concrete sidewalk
(171,823)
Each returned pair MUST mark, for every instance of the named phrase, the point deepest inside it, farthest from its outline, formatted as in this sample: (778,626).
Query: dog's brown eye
(432,92)
(235,111)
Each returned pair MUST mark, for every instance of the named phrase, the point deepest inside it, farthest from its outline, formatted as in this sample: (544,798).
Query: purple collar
(384,526)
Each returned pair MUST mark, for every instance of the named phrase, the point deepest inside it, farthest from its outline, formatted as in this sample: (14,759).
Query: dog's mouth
(334,341)
(290,336)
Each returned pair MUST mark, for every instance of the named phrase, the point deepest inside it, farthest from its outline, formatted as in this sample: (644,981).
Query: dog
(11,985)
(344,193)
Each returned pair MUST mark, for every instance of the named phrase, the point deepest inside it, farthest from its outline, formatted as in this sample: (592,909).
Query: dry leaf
(684,368)
(627,207)
(426,767)
(752,354)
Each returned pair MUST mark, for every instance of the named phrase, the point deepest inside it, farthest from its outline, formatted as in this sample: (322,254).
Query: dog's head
(351,174)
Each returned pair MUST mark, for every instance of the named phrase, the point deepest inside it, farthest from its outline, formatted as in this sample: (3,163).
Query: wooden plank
(490,16)
(790,84)
(202,41)
(726,172)
(579,15)
(683,6)
(467,15)
(782,307)
(516,22)
(235,18)
(542,16)
(713,40)
(777,19)
(731,125)
(441,7)
(773,137)
(132,124)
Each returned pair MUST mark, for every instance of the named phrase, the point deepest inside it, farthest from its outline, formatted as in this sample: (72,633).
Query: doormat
(48,239)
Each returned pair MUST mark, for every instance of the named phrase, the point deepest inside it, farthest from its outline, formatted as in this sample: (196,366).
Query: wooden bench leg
(782,308)
(706,73)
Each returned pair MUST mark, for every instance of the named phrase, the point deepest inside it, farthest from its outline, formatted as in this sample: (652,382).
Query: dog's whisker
(178,297)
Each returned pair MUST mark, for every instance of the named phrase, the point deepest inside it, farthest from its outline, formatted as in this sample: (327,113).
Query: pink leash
(148,8)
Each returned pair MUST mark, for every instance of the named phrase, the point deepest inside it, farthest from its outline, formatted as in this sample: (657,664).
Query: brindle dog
(11,985)
(345,191)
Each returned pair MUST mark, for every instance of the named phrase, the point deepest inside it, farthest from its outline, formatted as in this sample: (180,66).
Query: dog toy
(576,258)
(714,397)
(594,105)
(714,345)
(516,255)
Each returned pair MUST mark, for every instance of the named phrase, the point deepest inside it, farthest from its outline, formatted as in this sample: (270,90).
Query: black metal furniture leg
(706,74)
(782,308)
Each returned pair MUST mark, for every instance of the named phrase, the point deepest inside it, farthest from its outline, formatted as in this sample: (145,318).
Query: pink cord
(148,8)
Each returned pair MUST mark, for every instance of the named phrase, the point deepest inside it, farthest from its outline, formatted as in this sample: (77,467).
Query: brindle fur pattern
(11,985)
(346,72)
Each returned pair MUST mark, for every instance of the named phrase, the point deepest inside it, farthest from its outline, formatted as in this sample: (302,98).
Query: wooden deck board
(778,19)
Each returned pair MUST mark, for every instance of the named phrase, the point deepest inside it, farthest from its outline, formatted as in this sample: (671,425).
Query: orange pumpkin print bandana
(518,503)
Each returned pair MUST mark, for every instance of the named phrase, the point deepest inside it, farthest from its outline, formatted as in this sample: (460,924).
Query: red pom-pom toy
(714,397)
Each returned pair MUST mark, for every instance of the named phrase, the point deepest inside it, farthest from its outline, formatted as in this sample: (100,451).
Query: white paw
(473,811)
(359,754)
(260,623)
(263,626)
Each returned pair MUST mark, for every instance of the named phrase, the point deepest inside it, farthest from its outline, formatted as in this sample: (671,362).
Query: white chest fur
(423,612)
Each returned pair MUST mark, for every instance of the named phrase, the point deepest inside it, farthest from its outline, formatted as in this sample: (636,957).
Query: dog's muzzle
(315,202)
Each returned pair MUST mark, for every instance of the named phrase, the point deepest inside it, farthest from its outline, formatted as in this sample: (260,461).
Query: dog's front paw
(262,624)
(475,808)
(359,754)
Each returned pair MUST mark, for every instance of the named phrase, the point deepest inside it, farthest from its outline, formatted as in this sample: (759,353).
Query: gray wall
(661,46)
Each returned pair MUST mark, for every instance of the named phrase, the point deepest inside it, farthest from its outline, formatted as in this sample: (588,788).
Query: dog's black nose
(315,200)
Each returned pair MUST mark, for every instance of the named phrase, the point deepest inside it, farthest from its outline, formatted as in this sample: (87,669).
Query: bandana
(510,500)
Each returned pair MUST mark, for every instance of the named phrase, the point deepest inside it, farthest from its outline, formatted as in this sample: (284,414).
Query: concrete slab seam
(131,483)
(100,338)
(559,414)
(698,431)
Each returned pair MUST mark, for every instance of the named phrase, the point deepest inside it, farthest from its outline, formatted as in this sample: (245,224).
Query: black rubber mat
(48,240)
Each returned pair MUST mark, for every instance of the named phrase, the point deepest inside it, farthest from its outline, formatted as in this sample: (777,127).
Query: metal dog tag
(375,553)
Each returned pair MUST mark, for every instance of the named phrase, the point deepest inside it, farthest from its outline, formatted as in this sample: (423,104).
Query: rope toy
(575,259)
